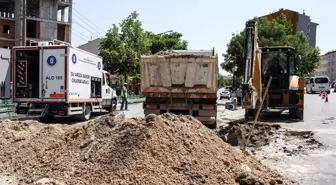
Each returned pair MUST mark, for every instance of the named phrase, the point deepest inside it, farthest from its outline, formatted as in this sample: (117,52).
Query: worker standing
(124,97)
(239,96)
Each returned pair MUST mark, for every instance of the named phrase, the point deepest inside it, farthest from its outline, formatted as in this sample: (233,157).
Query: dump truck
(60,80)
(276,65)
(5,82)
(181,82)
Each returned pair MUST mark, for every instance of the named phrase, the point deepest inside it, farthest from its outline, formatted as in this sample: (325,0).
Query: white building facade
(327,66)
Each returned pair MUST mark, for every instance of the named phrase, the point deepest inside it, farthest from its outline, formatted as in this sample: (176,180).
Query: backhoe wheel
(249,113)
(296,114)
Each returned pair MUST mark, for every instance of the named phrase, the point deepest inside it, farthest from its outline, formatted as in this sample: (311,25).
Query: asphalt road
(134,110)
(317,167)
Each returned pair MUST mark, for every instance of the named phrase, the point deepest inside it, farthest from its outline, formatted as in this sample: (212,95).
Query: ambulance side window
(108,80)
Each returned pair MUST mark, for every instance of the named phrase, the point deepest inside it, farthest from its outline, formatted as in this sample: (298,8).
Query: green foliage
(168,41)
(122,46)
(224,81)
(135,79)
(277,32)
(310,57)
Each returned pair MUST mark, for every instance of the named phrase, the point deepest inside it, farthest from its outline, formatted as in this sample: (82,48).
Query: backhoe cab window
(273,58)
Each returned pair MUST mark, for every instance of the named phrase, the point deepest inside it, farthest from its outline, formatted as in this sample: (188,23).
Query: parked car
(228,88)
(226,94)
(318,84)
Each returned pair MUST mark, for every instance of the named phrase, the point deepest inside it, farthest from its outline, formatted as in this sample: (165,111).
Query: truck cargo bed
(187,76)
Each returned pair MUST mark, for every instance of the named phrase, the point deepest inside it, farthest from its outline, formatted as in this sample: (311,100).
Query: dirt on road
(237,134)
(165,149)
(270,135)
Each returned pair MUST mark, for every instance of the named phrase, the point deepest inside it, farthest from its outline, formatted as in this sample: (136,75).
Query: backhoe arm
(252,85)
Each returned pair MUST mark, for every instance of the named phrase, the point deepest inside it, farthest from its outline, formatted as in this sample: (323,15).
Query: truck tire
(113,105)
(212,126)
(86,113)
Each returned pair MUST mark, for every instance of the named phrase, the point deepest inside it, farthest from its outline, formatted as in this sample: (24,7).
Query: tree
(169,41)
(122,46)
(277,32)
(224,81)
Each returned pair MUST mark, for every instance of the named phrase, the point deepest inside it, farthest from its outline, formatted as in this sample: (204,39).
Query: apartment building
(92,46)
(23,22)
(327,66)
(300,22)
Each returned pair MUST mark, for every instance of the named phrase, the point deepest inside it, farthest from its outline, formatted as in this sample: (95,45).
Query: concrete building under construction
(23,22)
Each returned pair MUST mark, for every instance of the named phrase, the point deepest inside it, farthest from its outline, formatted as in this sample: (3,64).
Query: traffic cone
(326,98)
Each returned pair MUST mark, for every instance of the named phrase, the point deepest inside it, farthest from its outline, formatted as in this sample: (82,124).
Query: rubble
(165,149)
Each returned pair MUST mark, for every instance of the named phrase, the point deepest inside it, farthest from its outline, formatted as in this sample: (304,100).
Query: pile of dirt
(165,149)
(236,134)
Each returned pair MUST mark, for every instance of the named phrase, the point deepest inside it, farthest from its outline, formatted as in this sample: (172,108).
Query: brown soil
(165,149)
(236,134)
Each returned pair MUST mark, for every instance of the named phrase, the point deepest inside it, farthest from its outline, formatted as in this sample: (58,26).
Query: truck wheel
(212,126)
(113,105)
(87,113)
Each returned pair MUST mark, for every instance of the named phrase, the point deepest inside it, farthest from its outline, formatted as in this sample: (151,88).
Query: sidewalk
(224,116)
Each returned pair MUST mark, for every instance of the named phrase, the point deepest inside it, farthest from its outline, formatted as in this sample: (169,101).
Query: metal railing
(7,109)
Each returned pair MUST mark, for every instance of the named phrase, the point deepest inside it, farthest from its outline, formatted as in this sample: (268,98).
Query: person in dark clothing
(275,69)
(124,95)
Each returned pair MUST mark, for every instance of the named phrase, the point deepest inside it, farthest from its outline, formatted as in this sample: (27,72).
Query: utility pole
(24,21)
(70,20)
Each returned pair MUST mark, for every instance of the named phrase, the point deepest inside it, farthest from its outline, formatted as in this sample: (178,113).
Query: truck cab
(108,91)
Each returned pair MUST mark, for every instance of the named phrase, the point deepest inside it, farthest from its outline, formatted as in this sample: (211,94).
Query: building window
(31,29)
(6,29)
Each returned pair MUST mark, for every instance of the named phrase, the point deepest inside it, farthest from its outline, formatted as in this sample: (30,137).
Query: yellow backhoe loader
(286,89)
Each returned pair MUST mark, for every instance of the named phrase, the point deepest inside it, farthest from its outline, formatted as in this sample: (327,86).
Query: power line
(89,20)
(86,23)
(85,28)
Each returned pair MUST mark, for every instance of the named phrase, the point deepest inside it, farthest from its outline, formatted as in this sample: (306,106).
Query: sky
(204,24)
